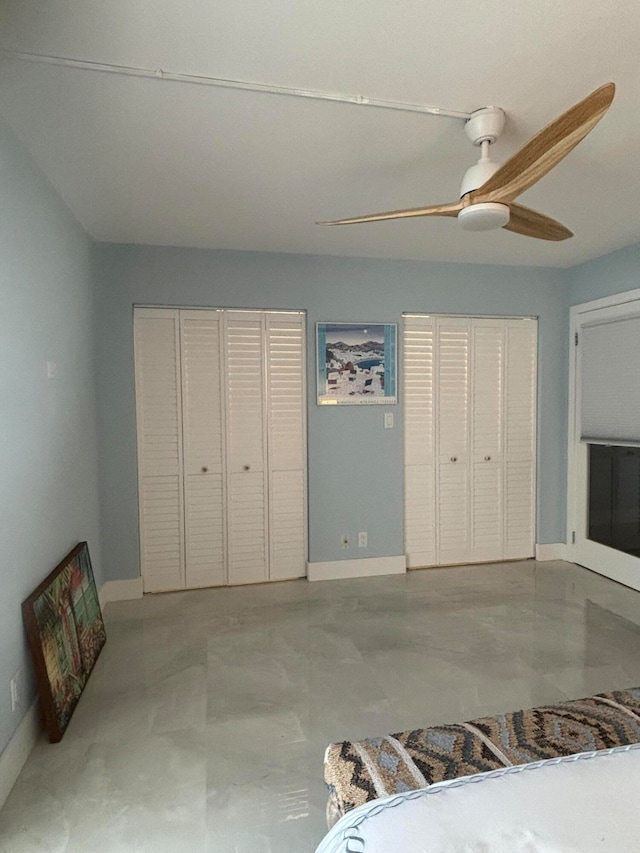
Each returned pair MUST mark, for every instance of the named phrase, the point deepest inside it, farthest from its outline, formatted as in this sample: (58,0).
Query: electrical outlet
(362,539)
(16,690)
(388,420)
(345,540)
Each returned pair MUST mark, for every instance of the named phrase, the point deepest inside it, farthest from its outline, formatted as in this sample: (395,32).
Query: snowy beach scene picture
(356,363)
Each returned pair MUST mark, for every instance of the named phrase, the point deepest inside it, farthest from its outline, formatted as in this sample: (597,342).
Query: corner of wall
(123,590)
(551,551)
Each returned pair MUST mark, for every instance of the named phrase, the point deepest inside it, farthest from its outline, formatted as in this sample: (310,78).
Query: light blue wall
(355,466)
(613,273)
(48,479)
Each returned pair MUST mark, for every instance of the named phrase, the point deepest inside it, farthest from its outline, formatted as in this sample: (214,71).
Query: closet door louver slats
(520,438)
(286,431)
(487,510)
(246,448)
(419,458)
(452,485)
(158,406)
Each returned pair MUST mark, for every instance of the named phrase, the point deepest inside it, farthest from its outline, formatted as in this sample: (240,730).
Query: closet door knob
(454,458)
(246,467)
(487,459)
(204,469)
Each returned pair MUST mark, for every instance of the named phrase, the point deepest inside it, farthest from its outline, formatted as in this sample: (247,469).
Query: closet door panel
(203,437)
(419,515)
(159,428)
(247,528)
(284,339)
(419,441)
(453,514)
(487,512)
(520,438)
(204,530)
(453,404)
(287,529)
(246,448)
(487,521)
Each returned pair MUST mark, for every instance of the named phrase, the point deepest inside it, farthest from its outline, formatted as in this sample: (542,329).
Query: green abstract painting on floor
(66,634)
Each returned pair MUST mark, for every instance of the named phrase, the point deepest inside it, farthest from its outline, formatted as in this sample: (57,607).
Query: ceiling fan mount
(485,125)
(489,189)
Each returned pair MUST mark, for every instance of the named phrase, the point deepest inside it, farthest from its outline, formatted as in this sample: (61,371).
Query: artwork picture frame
(356,363)
(66,634)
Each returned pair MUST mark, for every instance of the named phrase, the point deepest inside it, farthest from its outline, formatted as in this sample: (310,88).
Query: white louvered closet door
(284,345)
(204,440)
(475,379)
(221,405)
(520,437)
(419,441)
(158,413)
(487,506)
(247,506)
(453,344)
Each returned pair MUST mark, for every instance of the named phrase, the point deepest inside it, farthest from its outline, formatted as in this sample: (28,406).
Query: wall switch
(388,420)
(52,370)
(345,540)
(362,539)
(16,690)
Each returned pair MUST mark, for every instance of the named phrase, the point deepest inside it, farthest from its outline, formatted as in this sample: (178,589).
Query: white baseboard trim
(553,551)
(369,567)
(125,590)
(17,751)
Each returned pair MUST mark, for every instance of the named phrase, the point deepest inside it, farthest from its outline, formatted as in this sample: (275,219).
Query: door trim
(609,562)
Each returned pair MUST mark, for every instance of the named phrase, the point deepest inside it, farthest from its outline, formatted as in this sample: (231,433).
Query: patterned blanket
(365,770)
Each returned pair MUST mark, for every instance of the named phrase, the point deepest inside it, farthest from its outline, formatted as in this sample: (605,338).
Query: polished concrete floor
(204,724)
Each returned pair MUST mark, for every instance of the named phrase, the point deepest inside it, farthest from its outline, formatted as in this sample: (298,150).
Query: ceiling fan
(489,189)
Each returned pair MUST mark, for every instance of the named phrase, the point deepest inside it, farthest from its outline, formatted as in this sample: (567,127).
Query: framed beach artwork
(66,634)
(356,363)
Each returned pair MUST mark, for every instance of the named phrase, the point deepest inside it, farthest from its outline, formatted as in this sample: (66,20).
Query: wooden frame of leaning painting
(356,363)
(66,634)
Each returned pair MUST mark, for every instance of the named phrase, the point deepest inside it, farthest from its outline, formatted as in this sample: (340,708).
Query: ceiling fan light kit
(484,217)
(489,190)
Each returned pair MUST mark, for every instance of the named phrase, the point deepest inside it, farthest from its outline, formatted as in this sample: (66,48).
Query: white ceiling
(152,161)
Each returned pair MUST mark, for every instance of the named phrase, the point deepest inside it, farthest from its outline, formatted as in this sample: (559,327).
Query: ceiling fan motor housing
(477,175)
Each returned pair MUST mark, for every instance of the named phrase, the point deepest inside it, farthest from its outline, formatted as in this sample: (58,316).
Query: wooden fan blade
(435,210)
(546,149)
(530,223)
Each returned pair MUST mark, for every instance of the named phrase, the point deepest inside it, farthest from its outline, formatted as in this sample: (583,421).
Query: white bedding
(578,804)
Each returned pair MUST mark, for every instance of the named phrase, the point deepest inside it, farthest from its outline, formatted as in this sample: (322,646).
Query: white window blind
(610,381)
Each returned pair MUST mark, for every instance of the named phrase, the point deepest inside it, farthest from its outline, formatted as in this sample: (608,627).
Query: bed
(580,803)
(357,772)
